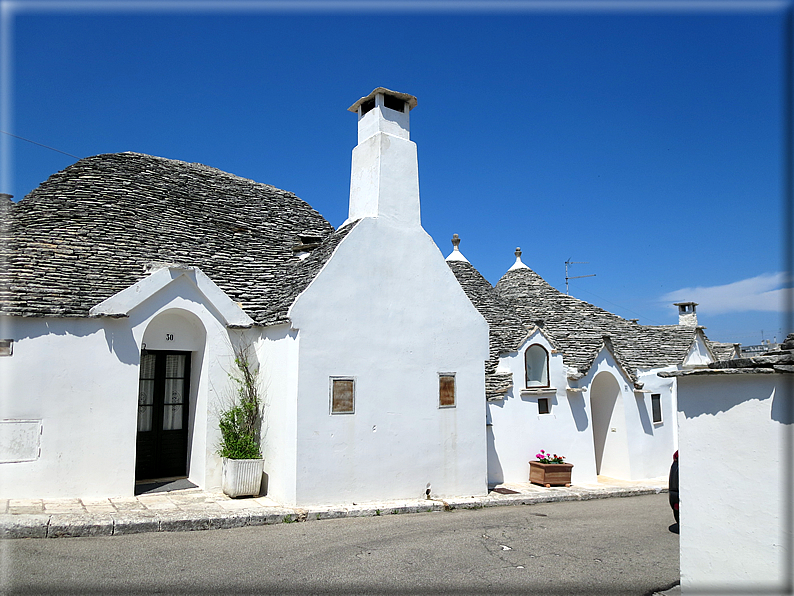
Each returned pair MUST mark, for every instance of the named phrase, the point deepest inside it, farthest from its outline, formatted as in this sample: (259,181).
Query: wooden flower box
(550,474)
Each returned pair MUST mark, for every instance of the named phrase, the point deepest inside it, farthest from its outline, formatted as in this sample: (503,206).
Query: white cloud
(765,292)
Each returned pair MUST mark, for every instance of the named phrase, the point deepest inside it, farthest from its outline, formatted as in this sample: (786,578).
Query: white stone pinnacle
(456,255)
(518,264)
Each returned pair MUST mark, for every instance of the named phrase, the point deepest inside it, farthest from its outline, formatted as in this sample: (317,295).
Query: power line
(39,144)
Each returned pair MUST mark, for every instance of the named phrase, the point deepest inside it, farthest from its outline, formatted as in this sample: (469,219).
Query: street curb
(72,525)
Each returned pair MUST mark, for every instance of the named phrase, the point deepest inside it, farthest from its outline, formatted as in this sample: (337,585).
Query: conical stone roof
(92,229)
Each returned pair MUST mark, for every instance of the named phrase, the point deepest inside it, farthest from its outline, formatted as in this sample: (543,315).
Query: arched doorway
(166,394)
(609,428)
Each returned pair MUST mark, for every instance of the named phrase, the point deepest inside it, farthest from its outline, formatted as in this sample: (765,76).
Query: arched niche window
(536,360)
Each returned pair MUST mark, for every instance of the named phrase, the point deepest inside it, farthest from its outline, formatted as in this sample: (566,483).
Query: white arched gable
(122,303)
(699,353)
(535,337)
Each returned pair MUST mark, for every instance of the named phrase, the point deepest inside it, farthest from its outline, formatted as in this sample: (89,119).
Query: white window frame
(526,376)
(331,381)
(454,403)
(661,415)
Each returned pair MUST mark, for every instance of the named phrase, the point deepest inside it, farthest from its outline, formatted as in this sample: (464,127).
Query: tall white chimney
(384,179)
(687,315)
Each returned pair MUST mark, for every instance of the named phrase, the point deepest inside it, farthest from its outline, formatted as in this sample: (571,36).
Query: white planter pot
(242,477)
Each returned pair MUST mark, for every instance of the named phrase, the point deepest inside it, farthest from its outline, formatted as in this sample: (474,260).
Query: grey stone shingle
(579,328)
(89,231)
(506,330)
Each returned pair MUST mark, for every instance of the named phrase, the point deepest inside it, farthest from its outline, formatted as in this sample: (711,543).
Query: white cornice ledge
(122,303)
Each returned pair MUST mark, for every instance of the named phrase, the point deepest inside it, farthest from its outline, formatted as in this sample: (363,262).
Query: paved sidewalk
(195,509)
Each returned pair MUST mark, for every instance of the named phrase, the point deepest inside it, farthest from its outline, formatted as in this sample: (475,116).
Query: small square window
(446,390)
(342,396)
(656,407)
(6,347)
(544,407)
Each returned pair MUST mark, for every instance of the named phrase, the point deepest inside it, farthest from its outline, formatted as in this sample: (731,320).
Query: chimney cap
(409,99)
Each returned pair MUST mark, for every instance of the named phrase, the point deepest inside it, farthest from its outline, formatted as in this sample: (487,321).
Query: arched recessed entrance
(165,394)
(609,428)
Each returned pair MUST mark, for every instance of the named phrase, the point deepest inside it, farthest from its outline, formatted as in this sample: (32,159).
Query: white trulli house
(371,354)
(571,378)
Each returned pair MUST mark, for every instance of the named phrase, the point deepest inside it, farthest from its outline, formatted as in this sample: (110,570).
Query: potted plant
(240,425)
(550,469)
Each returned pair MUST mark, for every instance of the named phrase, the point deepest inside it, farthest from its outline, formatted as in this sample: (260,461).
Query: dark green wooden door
(163,399)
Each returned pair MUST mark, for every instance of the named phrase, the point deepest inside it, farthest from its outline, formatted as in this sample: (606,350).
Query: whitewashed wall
(636,449)
(733,430)
(278,352)
(79,378)
(519,431)
(659,440)
(387,310)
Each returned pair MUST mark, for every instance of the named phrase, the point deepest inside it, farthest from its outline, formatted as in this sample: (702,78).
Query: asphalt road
(610,546)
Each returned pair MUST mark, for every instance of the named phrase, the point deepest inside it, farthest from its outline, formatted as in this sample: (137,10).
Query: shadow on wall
(117,333)
(495,473)
(723,397)
(642,410)
(578,410)
(782,407)
(34,328)
(121,342)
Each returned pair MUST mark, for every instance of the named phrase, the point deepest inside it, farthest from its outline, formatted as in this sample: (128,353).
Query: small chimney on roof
(384,177)
(687,315)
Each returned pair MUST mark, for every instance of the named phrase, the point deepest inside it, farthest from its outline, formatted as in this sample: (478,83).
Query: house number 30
(169,337)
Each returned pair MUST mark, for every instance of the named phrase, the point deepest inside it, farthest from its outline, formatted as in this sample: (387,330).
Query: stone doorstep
(231,505)
(29,503)
(96,509)
(64,509)
(160,506)
(126,504)
(25,510)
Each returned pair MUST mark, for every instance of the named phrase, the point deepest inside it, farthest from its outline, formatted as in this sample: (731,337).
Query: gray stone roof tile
(506,331)
(89,231)
(780,360)
(578,328)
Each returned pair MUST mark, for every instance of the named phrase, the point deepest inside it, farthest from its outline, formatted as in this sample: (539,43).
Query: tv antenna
(570,262)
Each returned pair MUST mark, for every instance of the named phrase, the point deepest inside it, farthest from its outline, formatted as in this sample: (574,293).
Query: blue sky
(647,143)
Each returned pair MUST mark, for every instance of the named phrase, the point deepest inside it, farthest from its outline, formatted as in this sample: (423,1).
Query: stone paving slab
(194,509)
